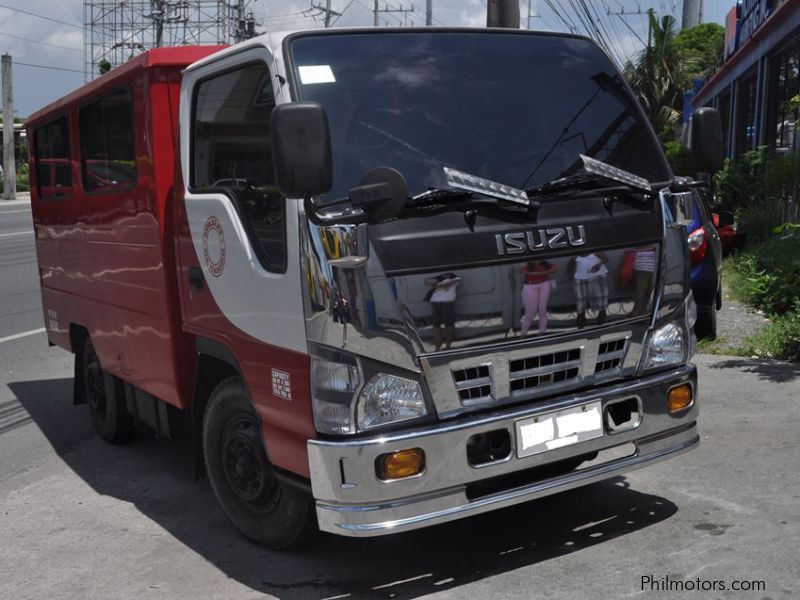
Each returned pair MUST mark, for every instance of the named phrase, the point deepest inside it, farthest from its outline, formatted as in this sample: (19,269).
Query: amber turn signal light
(680,397)
(402,464)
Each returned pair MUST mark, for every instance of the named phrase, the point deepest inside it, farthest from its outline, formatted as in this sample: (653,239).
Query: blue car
(705,257)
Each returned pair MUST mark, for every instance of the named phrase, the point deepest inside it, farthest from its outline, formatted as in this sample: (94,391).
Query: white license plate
(558,429)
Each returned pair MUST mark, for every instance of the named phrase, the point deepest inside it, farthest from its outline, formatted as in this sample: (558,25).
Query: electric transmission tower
(118,30)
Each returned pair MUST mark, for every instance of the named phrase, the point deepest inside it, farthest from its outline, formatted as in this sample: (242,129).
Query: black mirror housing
(301,149)
(706,140)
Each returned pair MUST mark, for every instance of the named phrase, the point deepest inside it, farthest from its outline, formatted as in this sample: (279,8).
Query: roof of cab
(181,56)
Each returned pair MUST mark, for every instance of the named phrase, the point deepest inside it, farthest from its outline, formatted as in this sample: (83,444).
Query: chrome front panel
(361,297)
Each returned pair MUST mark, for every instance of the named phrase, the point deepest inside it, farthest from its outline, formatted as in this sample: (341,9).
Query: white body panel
(267,306)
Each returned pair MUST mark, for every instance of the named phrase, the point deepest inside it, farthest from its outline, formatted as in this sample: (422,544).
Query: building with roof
(759,76)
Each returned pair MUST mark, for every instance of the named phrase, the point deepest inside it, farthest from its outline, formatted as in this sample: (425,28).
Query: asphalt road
(85,520)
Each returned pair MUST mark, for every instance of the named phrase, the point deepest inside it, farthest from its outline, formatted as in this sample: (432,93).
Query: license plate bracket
(557,429)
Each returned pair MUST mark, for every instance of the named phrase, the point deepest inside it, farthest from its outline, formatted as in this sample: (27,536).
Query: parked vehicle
(326,274)
(705,259)
(730,234)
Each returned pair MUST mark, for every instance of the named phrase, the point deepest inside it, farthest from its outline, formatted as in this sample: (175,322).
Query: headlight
(344,404)
(389,399)
(667,346)
(333,385)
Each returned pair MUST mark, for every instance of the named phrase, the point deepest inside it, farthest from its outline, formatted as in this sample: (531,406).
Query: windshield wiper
(596,174)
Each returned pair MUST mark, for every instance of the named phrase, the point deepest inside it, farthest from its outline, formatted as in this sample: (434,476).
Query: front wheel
(706,326)
(260,505)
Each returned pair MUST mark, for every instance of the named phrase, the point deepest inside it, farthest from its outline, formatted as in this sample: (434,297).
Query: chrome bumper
(352,501)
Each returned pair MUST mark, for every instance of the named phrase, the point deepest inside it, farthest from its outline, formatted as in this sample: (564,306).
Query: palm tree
(657,76)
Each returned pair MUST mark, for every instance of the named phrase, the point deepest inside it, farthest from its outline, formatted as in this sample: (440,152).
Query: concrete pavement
(82,519)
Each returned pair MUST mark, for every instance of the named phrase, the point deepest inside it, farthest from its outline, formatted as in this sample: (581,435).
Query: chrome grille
(520,376)
(474,384)
(610,356)
(544,370)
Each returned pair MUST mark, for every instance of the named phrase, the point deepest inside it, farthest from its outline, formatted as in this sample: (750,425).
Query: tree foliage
(665,68)
(657,75)
(700,49)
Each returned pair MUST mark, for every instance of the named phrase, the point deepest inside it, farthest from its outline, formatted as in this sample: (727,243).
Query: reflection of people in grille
(590,283)
(442,297)
(644,271)
(536,287)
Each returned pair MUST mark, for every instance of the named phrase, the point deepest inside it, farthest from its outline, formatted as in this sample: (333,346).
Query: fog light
(680,397)
(399,465)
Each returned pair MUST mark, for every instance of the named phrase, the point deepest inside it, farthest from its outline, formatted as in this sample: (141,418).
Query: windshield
(514,108)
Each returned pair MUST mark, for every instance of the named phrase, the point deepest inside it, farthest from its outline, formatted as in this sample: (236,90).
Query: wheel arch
(215,363)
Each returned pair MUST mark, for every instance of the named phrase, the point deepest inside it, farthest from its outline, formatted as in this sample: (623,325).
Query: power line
(22,64)
(24,39)
(33,14)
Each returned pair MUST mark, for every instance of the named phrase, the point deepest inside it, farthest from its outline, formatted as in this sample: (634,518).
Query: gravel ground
(735,323)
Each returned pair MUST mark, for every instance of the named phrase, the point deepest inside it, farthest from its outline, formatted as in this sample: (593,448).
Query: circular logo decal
(214,246)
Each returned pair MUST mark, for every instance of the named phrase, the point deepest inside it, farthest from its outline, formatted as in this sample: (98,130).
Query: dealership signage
(744,20)
(754,13)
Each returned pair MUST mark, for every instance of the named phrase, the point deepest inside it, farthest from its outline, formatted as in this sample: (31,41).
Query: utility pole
(327,14)
(692,13)
(386,9)
(429,14)
(326,10)
(9,161)
(531,12)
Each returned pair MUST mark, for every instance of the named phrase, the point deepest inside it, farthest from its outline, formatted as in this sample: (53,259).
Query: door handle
(196,279)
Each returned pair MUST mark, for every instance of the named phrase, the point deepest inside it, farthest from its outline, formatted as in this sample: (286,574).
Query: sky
(45,37)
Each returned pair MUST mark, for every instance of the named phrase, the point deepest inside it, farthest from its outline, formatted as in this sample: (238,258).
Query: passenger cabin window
(233,151)
(52,157)
(108,149)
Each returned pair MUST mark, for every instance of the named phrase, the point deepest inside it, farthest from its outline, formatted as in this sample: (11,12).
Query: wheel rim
(247,469)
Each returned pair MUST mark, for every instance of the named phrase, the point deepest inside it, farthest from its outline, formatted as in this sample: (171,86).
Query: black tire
(109,413)
(261,506)
(706,326)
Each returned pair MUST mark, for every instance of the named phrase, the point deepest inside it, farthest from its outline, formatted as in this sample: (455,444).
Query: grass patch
(779,339)
(767,276)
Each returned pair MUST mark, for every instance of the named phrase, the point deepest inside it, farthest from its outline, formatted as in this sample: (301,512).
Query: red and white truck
(312,252)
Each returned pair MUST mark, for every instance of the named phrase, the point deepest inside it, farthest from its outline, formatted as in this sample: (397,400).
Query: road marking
(8,212)
(24,334)
(16,233)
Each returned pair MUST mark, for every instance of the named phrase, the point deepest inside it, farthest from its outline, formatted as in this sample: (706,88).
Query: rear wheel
(108,411)
(259,504)
(706,326)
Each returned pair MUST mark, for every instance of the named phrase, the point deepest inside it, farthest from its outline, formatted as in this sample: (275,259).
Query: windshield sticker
(314,74)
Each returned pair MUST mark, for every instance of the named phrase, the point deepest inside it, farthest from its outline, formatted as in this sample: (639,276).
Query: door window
(232,152)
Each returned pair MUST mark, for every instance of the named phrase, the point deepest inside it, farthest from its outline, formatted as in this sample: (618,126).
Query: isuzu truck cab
(387,278)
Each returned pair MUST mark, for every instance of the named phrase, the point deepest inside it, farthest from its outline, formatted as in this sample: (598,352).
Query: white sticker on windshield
(316,74)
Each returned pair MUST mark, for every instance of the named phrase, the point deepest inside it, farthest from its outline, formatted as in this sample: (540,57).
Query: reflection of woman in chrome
(536,287)
(644,270)
(442,297)
(590,282)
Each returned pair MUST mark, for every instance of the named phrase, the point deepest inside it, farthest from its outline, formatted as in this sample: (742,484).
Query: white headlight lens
(667,346)
(333,385)
(389,399)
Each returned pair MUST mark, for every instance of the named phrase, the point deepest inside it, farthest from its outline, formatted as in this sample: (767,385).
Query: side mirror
(706,141)
(301,149)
